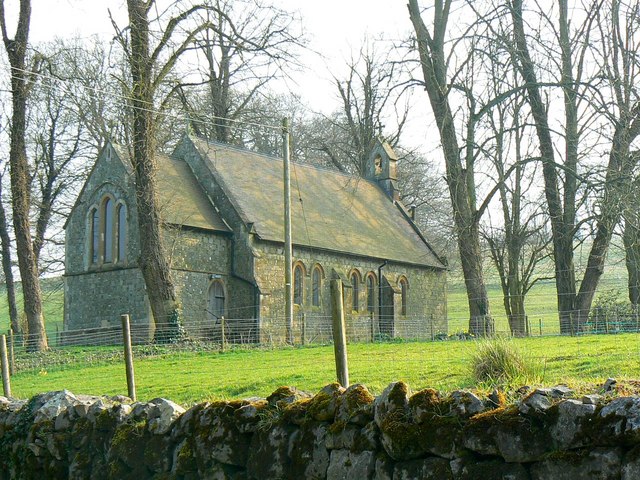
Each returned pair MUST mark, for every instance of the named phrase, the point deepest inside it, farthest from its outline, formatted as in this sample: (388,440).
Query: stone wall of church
(426,301)
(96,295)
(197,258)
(95,300)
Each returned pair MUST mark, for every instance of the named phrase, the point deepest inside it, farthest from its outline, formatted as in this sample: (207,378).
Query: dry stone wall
(336,434)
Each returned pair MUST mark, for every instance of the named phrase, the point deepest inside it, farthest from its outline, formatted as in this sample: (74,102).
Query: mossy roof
(330,210)
(181,199)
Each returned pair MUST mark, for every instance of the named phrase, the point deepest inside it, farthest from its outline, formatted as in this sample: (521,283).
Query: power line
(128,99)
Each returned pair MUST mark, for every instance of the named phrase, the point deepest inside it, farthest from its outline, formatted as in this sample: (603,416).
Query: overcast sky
(335,29)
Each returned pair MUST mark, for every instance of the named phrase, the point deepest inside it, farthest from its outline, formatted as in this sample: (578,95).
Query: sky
(334,28)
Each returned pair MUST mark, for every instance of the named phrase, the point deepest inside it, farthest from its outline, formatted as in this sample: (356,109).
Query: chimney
(381,168)
(412,210)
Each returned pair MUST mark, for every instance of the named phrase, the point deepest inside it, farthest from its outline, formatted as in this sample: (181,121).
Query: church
(223,226)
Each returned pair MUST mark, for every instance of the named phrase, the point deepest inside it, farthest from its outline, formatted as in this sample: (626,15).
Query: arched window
(298,284)
(121,233)
(108,231)
(94,236)
(355,284)
(404,288)
(216,300)
(371,293)
(316,286)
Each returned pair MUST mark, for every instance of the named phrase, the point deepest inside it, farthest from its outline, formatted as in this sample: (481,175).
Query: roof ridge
(268,156)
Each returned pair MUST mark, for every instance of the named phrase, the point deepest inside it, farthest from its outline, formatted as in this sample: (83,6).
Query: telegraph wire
(127,99)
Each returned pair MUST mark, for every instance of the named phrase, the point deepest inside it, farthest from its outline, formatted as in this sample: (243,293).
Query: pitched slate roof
(181,199)
(330,210)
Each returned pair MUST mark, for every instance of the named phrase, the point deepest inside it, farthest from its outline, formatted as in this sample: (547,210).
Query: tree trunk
(631,239)
(617,185)
(152,261)
(562,230)
(5,243)
(431,51)
(19,173)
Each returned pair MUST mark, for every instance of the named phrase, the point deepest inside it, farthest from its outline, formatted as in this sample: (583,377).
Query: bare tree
(246,44)
(93,80)
(438,79)
(16,49)
(371,96)
(631,238)
(518,243)
(7,264)
(608,38)
(60,147)
(149,67)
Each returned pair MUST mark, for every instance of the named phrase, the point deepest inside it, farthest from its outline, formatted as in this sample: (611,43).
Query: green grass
(53,305)
(540,302)
(190,377)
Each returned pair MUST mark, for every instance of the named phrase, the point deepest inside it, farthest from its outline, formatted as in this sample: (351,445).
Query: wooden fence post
(433,335)
(223,339)
(6,381)
(339,334)
(373,327)
(540,325)
(128,356)
(12,357)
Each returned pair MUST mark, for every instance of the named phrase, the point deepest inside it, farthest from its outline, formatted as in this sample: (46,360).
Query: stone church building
(222,211)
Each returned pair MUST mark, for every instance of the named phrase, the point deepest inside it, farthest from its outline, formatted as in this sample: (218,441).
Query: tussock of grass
(498,362)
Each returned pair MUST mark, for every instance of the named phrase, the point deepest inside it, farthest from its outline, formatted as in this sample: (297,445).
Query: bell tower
(381,167)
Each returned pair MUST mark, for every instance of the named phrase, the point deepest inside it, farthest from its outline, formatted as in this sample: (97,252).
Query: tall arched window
(404,287)
(108,230)
(355,285)
(94,236)
(121,233)
(316,286)
(216,300)
(371,293)
(298,285)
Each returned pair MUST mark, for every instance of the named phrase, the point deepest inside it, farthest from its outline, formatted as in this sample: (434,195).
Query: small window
(355,289)
(404,287)
(316,284)
(108,231)
(298,285)
(371,293)
(121,233)
(94,236)
(216,300)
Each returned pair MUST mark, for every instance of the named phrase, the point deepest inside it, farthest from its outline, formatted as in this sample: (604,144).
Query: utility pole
(287,233)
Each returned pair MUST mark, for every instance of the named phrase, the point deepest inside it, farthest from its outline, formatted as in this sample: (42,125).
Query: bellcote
(381,168)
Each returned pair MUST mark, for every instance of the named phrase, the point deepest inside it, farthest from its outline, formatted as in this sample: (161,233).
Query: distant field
(190,377)
(541,303)
(53,299)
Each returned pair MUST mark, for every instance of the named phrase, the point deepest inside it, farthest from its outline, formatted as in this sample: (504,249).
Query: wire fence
(316,329)
(309,329)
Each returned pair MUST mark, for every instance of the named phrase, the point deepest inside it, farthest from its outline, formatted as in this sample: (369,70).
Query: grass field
(190,377)
(53,305)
